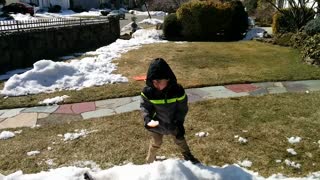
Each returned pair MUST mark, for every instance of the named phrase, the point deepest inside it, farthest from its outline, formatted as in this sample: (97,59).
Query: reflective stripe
(162,101)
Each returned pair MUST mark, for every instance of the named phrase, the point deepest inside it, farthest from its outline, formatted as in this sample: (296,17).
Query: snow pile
(293,164)
(151,21)
(145,21)
(54,100)
(23,17)
(77,135)
(50,162)
(245,163)
(291,151)
(202,134)
(293,140)
(152,13)
(33,153)
(163,170)
(242,140)
(49,76)
(6,135)
(11,73)
(253,33)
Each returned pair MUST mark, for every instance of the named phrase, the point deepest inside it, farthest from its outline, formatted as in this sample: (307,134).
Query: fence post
(80,21)
(17,22)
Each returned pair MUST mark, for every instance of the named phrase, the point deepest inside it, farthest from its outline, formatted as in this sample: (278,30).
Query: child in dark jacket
(164,105)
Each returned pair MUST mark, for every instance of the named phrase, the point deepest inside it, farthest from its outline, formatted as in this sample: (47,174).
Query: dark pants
(155,144)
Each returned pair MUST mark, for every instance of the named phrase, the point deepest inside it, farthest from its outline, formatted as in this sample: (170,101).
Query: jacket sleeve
(147,108)
(182,106)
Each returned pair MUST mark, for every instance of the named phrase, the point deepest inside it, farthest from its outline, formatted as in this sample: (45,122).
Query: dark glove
(180,131)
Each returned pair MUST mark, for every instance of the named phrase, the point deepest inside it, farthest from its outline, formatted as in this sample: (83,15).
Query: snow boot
(152,154)
(189,157)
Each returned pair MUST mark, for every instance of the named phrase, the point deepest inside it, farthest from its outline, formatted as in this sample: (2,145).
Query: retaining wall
(20,50)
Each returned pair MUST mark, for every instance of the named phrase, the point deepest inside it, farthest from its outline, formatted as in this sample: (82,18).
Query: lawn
(266,121)
(196,64)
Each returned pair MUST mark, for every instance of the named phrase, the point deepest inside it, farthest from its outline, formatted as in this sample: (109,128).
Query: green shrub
(313,27)
(311,47)
(239,21)
(172,27)
(282,23)
(291,19)
(283,39)
(208,20)
(298,40)
(54,9)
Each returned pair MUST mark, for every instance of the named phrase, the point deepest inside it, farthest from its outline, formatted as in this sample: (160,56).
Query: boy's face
(160,84)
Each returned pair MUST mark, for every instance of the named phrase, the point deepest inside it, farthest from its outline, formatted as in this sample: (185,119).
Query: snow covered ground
(163,170)
(49,76)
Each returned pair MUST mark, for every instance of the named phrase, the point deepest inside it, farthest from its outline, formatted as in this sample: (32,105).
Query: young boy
(164,101)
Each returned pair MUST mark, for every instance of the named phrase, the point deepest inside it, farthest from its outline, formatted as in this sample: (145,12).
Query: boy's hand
(153,123)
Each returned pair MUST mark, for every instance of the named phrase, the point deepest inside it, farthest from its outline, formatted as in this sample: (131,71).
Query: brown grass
(195,64)
(269,120)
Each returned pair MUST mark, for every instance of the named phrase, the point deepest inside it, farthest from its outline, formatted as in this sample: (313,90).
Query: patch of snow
(245,163)
(152,13)
(23,17)
(48,76)
(54,100)
(202,134)
(76,135)
(33,153)
(151,21)
(291,151)
(278,161)
(49,148)
(161,158)
(18,132)
(293,140)
(242,140)
(6,135)
(50,162)
(13,72)
(292,164)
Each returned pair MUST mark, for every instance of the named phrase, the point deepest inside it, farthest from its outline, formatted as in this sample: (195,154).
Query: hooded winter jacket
(168,106)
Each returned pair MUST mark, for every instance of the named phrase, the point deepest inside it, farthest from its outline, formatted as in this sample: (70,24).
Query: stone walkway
(30,117)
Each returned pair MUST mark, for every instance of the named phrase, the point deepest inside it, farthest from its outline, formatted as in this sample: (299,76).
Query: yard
(266,122)
(196,64)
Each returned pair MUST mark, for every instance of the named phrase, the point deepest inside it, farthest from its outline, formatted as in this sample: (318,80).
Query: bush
(282,23)
(298,40)
(287,22)
(208,20)
(54,9)
(283,39)
(172,27)
(311,49)
(239,21)
(78,9)
(313,27)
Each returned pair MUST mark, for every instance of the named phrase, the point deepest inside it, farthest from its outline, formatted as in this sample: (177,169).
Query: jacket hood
(159,69)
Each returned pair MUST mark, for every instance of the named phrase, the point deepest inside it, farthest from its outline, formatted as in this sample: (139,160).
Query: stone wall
(20,50)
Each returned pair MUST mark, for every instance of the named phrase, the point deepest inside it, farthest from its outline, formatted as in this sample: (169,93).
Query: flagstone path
(54,114)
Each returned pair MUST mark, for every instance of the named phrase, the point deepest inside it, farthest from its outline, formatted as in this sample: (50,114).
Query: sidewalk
(56,114)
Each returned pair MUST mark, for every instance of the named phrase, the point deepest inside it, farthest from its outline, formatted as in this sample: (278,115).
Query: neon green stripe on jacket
(162,101)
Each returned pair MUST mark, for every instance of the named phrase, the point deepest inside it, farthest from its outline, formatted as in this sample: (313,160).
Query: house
(65,4)
(85,4)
